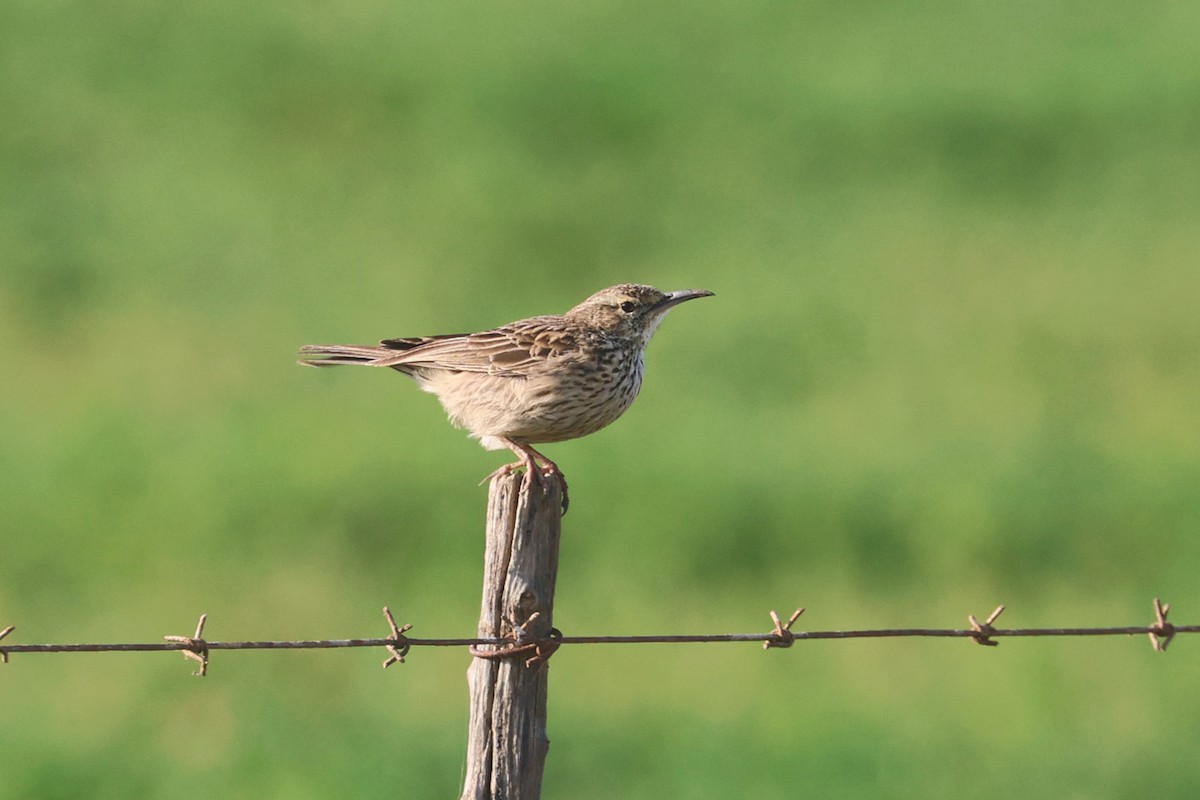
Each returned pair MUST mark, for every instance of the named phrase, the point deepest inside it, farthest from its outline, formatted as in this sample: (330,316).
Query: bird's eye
(628,307)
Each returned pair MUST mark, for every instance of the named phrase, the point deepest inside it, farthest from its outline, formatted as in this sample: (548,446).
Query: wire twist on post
(544,648)
(541,649)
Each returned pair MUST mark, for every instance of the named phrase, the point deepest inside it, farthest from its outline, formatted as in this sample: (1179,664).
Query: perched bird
(533,381)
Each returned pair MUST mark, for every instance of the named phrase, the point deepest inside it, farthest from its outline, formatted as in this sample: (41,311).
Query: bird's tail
(333,355)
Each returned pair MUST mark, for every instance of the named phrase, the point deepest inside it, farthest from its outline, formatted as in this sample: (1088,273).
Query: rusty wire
(398,645)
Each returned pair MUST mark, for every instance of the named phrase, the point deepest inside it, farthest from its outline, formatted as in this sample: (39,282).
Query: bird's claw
(502,472)
(552,470)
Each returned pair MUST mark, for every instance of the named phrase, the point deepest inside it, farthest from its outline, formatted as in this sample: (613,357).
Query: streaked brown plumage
(537,380)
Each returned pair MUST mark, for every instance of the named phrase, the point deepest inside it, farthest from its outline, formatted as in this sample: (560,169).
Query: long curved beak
(675,298)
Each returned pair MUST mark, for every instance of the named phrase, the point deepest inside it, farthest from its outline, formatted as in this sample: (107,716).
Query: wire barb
(197,648)
(4,651)
(984,630)
(782,636)
(399,645)
(1162,631)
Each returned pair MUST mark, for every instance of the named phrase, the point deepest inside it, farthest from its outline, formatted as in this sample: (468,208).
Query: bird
(534,381)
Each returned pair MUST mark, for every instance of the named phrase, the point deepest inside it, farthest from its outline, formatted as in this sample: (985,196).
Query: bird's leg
(528,460)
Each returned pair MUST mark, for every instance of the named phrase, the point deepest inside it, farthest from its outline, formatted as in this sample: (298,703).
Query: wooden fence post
(507,743)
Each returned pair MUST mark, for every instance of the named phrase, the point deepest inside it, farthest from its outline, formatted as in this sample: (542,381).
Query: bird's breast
(564,399)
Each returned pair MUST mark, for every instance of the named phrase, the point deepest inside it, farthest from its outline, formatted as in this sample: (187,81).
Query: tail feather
(333,355)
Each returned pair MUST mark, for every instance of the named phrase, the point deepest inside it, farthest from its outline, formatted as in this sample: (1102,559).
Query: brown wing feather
(514,349)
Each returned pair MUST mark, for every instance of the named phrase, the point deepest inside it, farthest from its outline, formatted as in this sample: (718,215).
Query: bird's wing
(513,349)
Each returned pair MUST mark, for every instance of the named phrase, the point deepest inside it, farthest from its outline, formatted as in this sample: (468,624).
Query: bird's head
(630,310)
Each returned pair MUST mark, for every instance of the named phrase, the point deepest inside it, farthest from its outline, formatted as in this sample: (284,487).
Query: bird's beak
(675,298)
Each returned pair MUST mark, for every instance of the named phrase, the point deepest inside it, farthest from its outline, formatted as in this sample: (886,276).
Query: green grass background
(952,361)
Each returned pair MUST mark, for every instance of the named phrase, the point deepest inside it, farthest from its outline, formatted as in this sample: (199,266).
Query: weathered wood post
(507,742)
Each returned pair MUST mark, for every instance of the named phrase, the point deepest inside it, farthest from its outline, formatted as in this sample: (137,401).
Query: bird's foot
(534,475)
(537,468)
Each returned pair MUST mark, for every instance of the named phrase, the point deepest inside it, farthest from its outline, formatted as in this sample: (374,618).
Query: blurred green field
(954,360)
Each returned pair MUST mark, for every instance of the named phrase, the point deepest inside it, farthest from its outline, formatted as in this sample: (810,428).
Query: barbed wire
(398,645)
